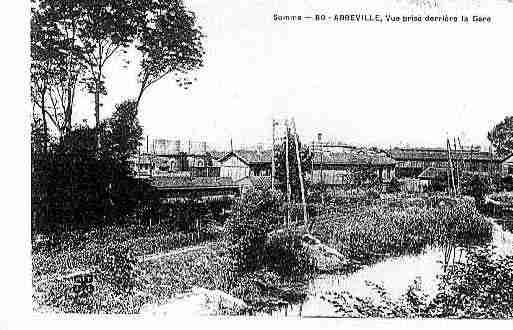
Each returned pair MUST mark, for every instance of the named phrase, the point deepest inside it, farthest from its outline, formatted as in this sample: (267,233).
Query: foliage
(372,233)
(247,238)
(479,287)
(254,216)
(394,185)
(501,137)
(79,252)
(116,267)
(476,187)
(286,255)
(123,133)
(306,157)
(73,41)
(79,185)
(170,43)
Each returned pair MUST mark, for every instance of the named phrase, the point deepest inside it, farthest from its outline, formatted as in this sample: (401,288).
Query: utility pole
(287,168)
(450,164)
(319,138)
(298,158)
(458,165)
(273,163)
(462,153)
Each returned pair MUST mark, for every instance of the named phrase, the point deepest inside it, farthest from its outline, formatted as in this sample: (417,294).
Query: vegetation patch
(480,287)
(371,234)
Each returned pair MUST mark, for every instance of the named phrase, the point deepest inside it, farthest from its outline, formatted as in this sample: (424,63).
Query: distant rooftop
(167,182)
(438,154)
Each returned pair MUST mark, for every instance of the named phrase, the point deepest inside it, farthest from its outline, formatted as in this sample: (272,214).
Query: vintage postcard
(271,159)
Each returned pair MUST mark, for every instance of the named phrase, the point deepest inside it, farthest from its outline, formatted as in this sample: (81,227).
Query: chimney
(260,147)
(319,137)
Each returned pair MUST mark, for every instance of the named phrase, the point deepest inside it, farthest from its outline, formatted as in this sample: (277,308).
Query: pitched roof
(353,158)
(250,156)
(170,182)
(438,154)
(259,182)
(361,157)
(217,154)
(434,173)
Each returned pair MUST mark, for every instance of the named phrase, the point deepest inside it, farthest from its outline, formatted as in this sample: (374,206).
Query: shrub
(480,287)
(394,186)
(247,237)
(286,255)
(254,216)
(476,187)
(116,266)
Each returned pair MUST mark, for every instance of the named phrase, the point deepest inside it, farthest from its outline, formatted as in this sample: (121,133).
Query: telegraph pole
(287,168)
(298,158)
(458,167)
(450,164)
(273,164)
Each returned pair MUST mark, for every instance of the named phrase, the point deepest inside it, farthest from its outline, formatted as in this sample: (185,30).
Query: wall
(234,168)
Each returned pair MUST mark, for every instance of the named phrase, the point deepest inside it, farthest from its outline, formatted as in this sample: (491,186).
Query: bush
(476,187)
(481,287)
(394,186)
(254,216)
(116,266)
(286,255)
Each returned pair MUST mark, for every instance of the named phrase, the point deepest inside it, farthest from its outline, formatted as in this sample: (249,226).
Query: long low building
(330,167)
(206,188)
(411,162)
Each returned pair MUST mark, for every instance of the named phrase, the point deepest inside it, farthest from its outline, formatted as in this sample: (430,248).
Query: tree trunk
(97,109)
(141,91)
(45,124)
(69,111)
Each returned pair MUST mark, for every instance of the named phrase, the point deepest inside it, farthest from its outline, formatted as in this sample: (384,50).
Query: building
(335,168)
(205,188)
(333,165)
(242,163)
(172,158)
(413,161)
(507,165)
(254,182)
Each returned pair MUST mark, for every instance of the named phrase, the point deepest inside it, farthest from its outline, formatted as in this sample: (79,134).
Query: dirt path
(176,252)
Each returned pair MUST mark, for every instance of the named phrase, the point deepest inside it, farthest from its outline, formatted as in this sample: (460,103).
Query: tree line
(81,174)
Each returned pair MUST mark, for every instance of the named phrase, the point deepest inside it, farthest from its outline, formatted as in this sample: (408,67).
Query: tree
(87,34)
(56,64)
(170,43)
(305,155)
(124,133)
(105,28)
(501,137)
(77,185)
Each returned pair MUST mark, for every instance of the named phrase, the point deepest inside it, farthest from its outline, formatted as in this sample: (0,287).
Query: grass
(156,281)
(379,231)
(81,255)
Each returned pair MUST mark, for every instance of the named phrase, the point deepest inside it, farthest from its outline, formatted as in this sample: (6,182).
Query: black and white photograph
(269,160)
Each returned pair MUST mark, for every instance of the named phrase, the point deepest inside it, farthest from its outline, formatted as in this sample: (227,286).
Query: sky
(360,83)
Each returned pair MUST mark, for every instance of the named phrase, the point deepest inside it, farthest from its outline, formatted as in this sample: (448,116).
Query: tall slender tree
(171,43)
